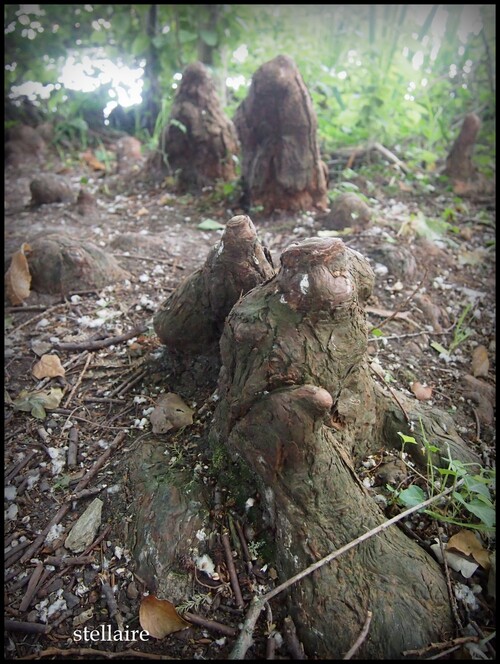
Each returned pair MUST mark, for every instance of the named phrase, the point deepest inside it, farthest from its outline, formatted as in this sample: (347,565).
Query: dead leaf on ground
(92,161)
(48,366)
(467,543)
(36,402)
(159,617)
(480,362)
(170,413)
(422,392)
(18,277)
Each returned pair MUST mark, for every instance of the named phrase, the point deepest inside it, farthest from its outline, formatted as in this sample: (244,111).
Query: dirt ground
(434,284)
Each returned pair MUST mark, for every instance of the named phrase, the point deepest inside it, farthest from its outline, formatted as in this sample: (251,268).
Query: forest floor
(433,253)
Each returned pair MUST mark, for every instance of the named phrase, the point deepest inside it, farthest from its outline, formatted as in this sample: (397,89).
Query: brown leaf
(92,161)
(18,277)
(170,413)
(422,392)
(48,366)
(480,362)
(159,617)
(467,543)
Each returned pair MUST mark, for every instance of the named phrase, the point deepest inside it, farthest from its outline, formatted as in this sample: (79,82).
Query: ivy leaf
(36,402)
(412,496)
(211,225)
(186,36)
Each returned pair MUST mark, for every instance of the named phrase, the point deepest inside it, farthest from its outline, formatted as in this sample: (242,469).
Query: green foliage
(471,500)
(374,72)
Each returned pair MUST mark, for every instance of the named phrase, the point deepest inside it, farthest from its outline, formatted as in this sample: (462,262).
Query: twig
(34,318)
(72,447)
(150,259)
(85,652)
(77,384)
(359,641)
(391,157)
(102,343)
(113,611)
(295,647)
(19,466)
(136,375)
(31,589)
(82,484)
(232,571)
(402,305)
(453,601)
(26,627)
(460,640)
(257,604)
(271,642)
(210,624)
(69,561)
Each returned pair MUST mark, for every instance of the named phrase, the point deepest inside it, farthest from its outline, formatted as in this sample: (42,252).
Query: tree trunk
(459,164)
(277,129)
(151,74)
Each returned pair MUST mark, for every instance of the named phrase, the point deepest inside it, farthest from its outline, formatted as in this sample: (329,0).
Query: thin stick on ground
(77,384)
(244,640)
(402,305)
(359,641)
(232,571)
(102,343)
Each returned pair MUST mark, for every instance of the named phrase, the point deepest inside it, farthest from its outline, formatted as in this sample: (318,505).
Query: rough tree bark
(192,317)
(199,141)
(277,127)
(459,164)
(298,405)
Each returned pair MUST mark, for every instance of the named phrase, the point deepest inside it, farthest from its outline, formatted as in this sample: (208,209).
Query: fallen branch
(391,157)
(244,640)
(210,624)
(32,588)
(85,652)
(102,343)
(26,627)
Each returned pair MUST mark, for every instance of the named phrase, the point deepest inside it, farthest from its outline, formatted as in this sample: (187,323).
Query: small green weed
(472,499)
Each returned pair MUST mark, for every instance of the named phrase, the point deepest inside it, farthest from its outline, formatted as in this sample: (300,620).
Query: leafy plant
(471,500)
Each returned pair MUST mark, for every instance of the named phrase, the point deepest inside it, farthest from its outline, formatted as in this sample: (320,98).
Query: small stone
(85,529)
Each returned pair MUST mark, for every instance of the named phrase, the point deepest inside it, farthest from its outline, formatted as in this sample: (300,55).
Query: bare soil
(425,283)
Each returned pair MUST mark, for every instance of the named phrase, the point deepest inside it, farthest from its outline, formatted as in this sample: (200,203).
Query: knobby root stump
(191,319)
(459,164)
(59,264)
(298,405)
(199,141)
(277,128)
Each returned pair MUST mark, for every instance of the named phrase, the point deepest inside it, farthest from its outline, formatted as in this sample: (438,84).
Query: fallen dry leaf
(422,392)
(480,362)
(48,366)
(159,617)
(467,543)
(92,161)
(18,277)
(142,212)
(170,413)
